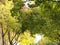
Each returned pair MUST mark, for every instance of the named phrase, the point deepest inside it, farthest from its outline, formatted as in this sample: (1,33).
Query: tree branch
(14,37)
(5,32)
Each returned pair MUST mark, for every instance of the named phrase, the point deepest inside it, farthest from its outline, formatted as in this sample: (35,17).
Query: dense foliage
(43,17)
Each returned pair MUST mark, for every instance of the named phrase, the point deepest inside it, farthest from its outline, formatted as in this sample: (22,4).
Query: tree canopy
(42,17)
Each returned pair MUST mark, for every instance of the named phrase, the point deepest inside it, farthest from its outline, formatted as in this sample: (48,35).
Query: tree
(8,24)
(44,18)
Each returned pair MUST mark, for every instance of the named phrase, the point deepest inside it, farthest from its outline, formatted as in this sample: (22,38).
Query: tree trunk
(2,38)
(11,43)
(58,39)
(9,38)
(2,33)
